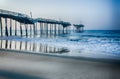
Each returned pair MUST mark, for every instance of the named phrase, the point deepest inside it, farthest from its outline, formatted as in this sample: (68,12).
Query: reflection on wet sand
(31,46)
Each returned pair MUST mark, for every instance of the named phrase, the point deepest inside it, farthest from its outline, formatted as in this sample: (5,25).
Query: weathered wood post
(69,29)
(20,45)
(30,46)
(21,30)
(52,26)
(33,47)
(55,30)
(44,28)
(1,43)
(6,29)
(26,30)
(46,48)
(10,44)
(50,29)
(6,44)
(15,28)
(15,45)
(43,48)
(26,46)
(34,29)
(66,30)
(30,30)
(40,48)
(41,28)
(63,30)
(47,29)
(1,26)
(10,27)
(59,29)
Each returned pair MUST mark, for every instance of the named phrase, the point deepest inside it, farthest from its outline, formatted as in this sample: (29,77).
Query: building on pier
(79,27)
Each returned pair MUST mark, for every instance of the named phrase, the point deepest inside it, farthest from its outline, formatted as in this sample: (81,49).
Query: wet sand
(32,66)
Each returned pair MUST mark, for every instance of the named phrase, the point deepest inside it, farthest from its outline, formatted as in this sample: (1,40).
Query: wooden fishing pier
(17,24)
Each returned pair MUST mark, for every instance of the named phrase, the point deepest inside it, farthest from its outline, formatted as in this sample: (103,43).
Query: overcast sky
(94,14)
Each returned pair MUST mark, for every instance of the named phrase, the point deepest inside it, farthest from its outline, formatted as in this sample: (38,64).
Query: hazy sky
(94,14)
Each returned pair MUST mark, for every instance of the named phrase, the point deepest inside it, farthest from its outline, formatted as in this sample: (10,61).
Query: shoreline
(25,65)
(103,60)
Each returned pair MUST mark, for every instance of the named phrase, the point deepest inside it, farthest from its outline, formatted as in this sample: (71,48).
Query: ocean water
(90,43)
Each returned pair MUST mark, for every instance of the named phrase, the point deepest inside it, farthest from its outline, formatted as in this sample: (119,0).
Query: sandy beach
(31,66)
(60,39)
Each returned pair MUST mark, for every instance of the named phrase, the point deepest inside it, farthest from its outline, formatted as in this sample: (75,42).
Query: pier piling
(1,26)
(21,29)
(10,27)
(26,26)
(15,28)
(6,28)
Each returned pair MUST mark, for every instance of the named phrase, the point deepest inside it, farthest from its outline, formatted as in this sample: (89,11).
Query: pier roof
(78,25)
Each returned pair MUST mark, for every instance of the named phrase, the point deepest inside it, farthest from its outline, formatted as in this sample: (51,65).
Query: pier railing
(5,12)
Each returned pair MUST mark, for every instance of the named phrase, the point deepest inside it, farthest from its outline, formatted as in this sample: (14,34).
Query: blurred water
(91,43)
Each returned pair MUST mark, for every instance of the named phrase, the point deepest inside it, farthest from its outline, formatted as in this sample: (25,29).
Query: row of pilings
(17,24)
(10,27)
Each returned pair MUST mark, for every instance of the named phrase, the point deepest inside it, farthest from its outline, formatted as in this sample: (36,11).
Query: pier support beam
(26,26)
(15,28)
(50,29)
(6,29)
(82,29)
(6,44)
(55,30)
(10,27)
(41,28)
(1,26)
(63,30)
(30,30)
(20,45)
(21,29)
(66,30)
(10,44)
(34,29)
(58,29)
(47,29)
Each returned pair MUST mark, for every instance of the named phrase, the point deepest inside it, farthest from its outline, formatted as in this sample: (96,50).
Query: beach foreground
(30,66)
